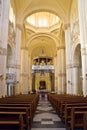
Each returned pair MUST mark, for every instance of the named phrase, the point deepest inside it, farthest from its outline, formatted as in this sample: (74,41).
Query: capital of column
(24,75)
(15,66)
(72,65)
(61,74)
(84,51)
(68,66)
(24,48)
(75,65)
(61,47)
(0,50)
(19,26)
(66,26)
(3,51)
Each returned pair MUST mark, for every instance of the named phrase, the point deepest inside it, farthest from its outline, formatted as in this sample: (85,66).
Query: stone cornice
(61,47)
(19,26)
(24,75)
(61,74)
(66,26)
(72,65)
(24,48)
(84,51)
(14,66)
(3,51)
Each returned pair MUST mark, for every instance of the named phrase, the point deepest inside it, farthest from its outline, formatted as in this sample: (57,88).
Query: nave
(46,118)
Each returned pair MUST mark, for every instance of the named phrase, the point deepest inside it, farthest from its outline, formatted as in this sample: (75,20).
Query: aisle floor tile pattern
(46,118)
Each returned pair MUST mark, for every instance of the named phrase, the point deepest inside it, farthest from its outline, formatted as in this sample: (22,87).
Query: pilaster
(68,58)
(83,39)
(61,69)
(24,70)
(4,19)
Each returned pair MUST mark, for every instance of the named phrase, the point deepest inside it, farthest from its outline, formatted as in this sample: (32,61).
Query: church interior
(43,61)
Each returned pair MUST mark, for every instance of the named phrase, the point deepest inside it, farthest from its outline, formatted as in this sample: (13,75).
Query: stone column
(4,20)
(17,58)
(1,14)
(61,69)
(30,73)
(68,59)
(75,79)
(24,70)
(82,8)
(56,73)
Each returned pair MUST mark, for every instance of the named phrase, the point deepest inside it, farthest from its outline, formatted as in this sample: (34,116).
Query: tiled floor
(46,118)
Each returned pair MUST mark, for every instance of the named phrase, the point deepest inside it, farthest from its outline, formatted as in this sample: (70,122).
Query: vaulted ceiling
(24,8)
(27,7)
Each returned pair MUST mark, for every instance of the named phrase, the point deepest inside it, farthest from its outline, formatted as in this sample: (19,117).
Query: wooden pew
(21,101)
(66,110)
(26,114)
(28,106)
(63,105)
(85,121)
(31,99)
(77,117)
(11,120)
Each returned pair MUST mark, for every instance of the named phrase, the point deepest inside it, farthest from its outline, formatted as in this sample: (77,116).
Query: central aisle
(46,118)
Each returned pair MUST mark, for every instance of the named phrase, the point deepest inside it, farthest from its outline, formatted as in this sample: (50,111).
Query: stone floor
(46,118)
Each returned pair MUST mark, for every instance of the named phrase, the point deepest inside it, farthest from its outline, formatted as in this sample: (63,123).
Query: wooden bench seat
(26,115)
(66,110)
(77,117)
(64,104)
(18,104)
(11,120)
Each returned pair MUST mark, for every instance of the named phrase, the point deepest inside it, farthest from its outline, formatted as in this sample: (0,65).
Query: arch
(53,37)
(42,10)
(61,15)
(54,43)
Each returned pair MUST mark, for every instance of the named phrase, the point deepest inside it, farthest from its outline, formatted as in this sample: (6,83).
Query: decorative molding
(84,51)
(24,48)
(66,26)
(3,51)
(24,75)
(0,50)
(68,66)
(13,66)
(73,65)
(61,47)
(11,33)
(61,74)
(19,26)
